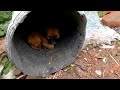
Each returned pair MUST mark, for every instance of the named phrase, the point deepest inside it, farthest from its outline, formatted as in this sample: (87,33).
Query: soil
(96,63)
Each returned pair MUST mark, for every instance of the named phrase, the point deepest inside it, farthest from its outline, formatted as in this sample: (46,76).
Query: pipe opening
(47,61)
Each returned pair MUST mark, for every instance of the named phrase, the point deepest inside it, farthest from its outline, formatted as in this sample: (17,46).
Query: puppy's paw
(36,48)
(51,46)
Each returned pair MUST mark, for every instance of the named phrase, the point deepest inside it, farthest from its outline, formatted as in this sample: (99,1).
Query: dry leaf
(98,72)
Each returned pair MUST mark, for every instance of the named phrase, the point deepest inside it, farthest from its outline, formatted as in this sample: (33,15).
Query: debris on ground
(98,72)
(100,65)
(9,75)
(104,46)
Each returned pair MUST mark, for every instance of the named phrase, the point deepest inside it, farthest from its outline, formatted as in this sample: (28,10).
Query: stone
(17,71)
(33,77)
(107,12)
(92,53)
(81,65)
(1,42)
(79,72)
(112,19)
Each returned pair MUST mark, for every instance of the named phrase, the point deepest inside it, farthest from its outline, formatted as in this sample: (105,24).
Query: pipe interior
(47,61)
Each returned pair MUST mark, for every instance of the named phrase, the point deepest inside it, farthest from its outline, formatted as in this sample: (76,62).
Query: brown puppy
(36,41)
(53,34)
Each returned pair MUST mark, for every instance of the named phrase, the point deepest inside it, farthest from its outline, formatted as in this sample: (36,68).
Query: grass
(5,17)
(101,13)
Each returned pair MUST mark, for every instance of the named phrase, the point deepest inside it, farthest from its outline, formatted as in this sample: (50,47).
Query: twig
(103,73)
(4,52)
(114,60)
(21,76)
(2,55)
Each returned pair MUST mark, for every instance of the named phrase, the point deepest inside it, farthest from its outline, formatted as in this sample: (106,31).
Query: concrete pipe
(46,61)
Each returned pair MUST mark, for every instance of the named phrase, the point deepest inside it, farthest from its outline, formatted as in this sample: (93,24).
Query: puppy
(36,41)
(53,34)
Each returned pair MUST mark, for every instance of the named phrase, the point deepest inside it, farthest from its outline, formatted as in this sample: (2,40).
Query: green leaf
(101,13)
(5,16)
(7,65)
(0,77)
(1,38)
(67,68)
(2,33)
(7,69)
(89,47)
(1,26)
(118,42)
(12,65)
(5,60)
(72,65)
(3,29)
(2,19)
(6,26)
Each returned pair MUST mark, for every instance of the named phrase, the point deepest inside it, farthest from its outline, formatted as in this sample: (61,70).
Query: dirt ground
(94,64)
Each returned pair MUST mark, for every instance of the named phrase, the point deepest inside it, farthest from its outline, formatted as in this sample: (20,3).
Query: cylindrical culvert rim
(22,61)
